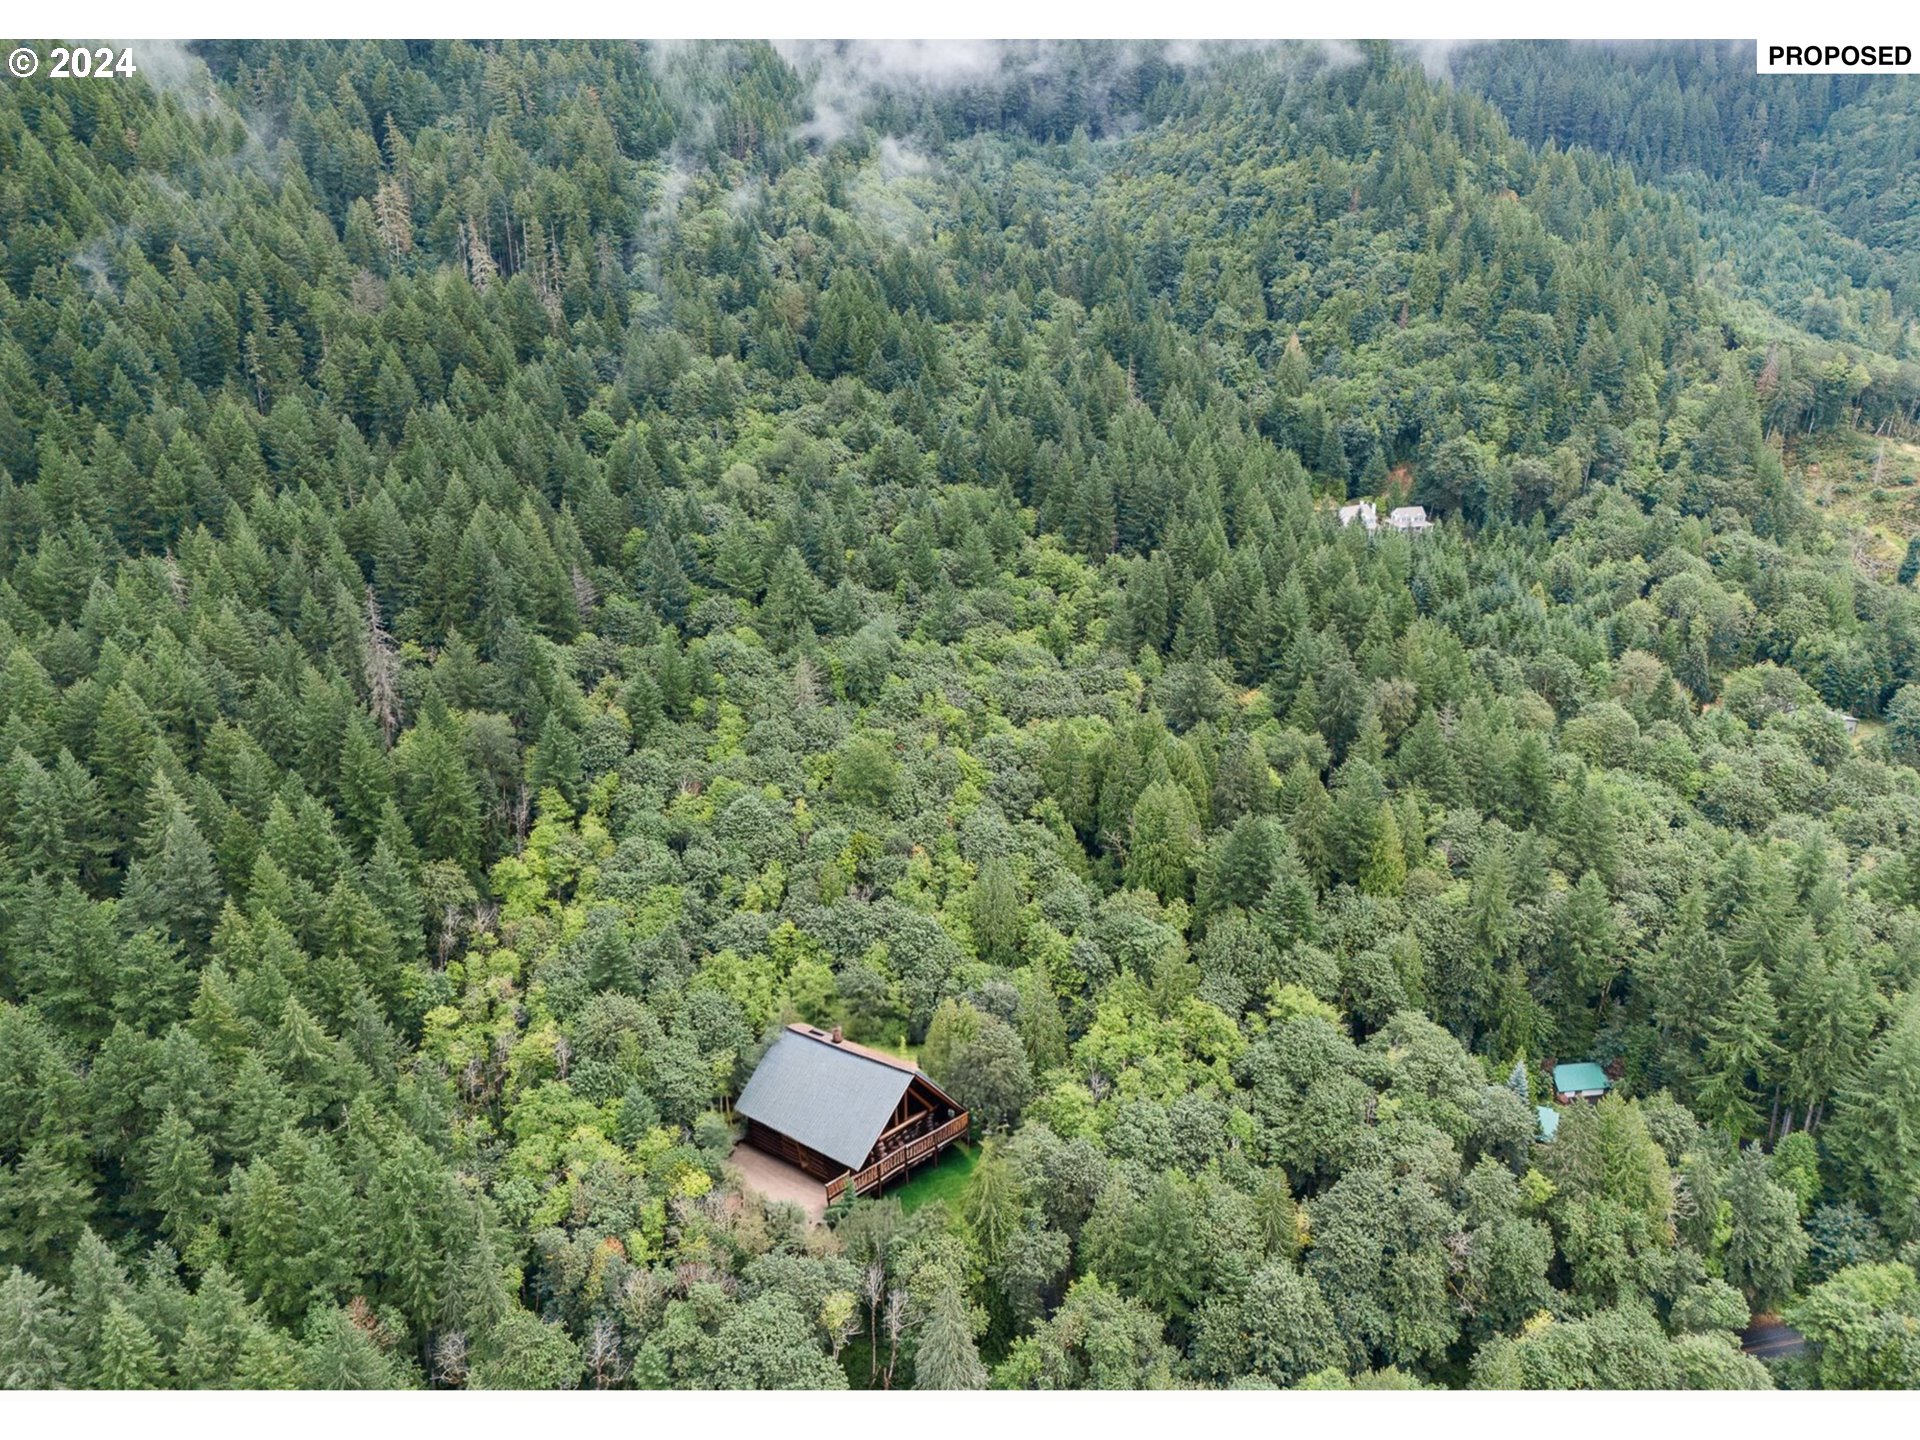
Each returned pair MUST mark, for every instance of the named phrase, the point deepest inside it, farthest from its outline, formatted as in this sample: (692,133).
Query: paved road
(1772,1340)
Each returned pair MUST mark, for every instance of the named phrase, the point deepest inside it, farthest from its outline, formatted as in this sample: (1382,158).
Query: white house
(1409,518)
(1363,512)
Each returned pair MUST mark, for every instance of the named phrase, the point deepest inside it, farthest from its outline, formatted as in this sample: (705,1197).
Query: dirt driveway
(777,1180)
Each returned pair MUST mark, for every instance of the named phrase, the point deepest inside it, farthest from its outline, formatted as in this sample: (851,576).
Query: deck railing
(899,1161)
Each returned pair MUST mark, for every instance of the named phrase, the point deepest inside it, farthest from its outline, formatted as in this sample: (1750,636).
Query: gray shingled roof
(832,1100)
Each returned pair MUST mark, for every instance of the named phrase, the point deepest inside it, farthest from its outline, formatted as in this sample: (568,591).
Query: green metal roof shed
(1582,1079)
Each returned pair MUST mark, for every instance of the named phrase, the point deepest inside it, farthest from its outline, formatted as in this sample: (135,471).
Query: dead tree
(383,672)
(605,1362)
(873,1285)
(584,595)
(450,1360)
(896,1323)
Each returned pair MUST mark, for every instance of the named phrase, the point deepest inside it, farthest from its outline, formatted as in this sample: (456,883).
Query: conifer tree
(946,1357)
(177,1177)
(33,1334)
(129,1358)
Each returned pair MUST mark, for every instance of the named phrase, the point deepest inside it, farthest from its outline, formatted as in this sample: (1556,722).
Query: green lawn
(942,1181)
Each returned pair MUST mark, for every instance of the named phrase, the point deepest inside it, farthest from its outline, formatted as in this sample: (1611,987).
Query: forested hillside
(1808,186)
(524,567)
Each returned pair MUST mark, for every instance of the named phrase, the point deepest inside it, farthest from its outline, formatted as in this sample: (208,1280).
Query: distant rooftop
(1549,1121)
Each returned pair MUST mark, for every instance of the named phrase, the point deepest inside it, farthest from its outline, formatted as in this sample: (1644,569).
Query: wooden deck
(889,1167)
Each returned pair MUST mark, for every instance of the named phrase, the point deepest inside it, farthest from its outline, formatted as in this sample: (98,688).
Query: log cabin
(851,1117)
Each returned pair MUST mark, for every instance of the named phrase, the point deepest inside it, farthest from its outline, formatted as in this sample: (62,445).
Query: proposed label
(1814,55)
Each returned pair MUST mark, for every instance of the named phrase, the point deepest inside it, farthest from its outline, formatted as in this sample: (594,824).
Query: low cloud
(846,76)
(1436,56)
(897,159)
(170,67)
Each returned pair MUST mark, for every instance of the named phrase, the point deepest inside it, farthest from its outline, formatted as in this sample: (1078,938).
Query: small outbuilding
(849,1116)
(1584,1081)
(1548,1119)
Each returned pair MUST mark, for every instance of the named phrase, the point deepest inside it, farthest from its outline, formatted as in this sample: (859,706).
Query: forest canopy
(526,567)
